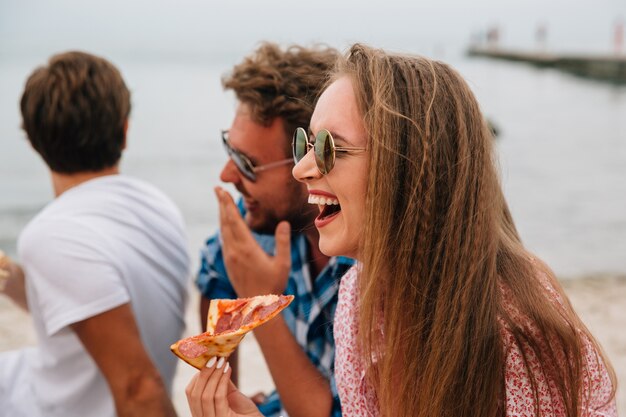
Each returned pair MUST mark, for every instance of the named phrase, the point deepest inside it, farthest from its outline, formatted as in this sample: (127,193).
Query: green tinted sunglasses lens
(324,151)
(299,144)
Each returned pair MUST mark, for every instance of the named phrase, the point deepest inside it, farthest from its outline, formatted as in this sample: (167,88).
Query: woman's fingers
(193,404)
(211,393)
(222,407)
(208,397)
(200,393)
(194,395)
(239,403)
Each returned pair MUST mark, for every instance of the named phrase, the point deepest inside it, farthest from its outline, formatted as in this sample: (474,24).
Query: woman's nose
(306,169)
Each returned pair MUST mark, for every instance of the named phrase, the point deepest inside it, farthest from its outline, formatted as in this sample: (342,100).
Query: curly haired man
(267,242)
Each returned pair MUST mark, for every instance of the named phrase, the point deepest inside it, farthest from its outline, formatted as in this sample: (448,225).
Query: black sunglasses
(324,149)
(243,163)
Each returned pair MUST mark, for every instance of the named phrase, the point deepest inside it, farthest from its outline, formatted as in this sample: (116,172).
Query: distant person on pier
(619,37)
(541,37)
(493,37)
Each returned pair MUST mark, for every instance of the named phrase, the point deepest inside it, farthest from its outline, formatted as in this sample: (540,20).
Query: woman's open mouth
(329,206)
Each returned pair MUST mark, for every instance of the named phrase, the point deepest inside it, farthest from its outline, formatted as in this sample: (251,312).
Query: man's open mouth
(328,206)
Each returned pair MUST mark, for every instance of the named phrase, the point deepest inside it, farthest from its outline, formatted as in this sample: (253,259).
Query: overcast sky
(194,27)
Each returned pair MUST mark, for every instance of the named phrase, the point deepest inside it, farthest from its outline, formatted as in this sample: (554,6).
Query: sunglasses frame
(244,164)
(324,165)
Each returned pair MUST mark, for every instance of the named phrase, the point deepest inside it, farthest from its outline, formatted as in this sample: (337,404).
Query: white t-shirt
(106,242)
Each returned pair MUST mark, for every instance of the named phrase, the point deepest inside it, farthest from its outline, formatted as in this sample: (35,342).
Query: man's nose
(230,173)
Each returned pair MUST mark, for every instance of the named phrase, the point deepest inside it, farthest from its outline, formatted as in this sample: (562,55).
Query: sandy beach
(599,300)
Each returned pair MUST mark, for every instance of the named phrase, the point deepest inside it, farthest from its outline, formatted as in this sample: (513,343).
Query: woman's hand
(211,394)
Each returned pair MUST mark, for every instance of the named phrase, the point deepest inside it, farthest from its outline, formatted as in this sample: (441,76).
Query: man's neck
(318,260)
(63,182)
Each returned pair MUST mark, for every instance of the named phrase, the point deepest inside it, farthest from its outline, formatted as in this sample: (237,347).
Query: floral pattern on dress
(358,397)
(596,387)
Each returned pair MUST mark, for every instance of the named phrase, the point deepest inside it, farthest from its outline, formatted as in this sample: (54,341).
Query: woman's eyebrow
(335,135)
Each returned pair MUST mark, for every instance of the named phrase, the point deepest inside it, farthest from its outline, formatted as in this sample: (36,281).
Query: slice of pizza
(228,322)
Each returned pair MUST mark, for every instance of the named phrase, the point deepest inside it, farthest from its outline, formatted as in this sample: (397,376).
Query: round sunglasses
(324,149)
(243,163)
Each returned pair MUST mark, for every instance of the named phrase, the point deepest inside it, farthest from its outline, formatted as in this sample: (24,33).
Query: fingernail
(226,367)
(211,362)
(220,363)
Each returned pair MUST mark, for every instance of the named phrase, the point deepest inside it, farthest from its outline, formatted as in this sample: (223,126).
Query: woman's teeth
(321,201)
(328,206)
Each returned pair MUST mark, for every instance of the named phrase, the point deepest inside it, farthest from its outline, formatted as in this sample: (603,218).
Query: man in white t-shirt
(104,266)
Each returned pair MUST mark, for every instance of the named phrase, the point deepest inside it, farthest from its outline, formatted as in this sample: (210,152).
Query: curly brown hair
(283,83)
(74,112)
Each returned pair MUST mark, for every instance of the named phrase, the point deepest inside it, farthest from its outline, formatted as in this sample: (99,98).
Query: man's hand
(12,281)
(4,270)
(252,271)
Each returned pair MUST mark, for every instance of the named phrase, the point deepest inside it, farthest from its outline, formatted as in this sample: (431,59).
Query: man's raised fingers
(283,245)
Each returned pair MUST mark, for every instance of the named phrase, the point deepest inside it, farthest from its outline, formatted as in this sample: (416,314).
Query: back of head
(74,112)
(282,83)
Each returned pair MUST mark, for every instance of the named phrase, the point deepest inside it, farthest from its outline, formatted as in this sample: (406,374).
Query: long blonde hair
(437,247)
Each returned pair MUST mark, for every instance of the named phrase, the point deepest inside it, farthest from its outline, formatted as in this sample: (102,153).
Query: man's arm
(12,282)
(303,390)
(112,339)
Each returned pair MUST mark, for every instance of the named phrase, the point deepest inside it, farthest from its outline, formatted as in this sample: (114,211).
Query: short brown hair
(282,83)
(74,112)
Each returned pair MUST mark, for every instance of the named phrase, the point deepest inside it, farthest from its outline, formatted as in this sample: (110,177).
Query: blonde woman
(446,314)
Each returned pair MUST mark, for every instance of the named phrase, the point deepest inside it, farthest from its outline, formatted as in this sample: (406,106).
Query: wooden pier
(610,68)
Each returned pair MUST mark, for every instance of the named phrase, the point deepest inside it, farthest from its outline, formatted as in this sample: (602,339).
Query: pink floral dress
(358,398)
(356,395)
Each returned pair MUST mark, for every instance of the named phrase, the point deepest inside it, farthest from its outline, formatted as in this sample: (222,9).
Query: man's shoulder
(101,211)
(212,248)
(118,199)
(123,187)
(49,223)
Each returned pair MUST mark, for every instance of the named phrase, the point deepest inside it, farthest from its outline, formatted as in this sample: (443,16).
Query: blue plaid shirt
(309,316)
